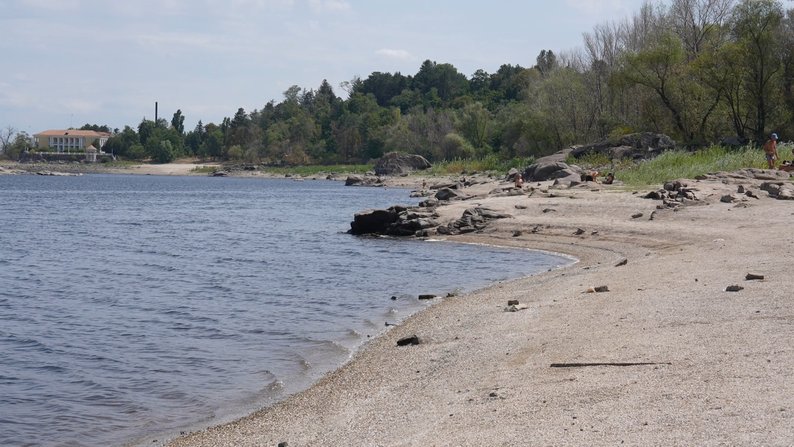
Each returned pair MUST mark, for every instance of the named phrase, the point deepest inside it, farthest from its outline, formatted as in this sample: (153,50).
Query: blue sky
(70,62)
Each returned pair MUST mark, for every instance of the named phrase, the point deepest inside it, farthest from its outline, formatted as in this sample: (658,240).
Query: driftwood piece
(583,365)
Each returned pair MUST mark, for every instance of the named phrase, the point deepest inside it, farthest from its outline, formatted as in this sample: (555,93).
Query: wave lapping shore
(674,328)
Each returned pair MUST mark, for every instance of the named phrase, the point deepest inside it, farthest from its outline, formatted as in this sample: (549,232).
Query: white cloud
(402,55)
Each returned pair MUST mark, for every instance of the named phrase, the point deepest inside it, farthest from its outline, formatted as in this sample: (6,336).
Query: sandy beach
(666,356)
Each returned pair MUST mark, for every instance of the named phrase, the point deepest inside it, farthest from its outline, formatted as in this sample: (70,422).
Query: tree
(195,138)
(756,24)
(122,143)
(6,138)
(699,23)
(178,122)
(474,123)
(96,128)
(546,62)
(663,69)
(384,86)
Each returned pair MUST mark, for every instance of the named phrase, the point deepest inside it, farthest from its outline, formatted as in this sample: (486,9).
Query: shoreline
(666,356)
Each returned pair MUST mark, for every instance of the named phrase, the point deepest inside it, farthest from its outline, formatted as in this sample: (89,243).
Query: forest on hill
(700,71)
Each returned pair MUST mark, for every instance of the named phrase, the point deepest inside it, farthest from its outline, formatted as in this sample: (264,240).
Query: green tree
(546,62)
(474,123)
(178,122)
(121,143)
(162,151)
(20,143)
(756,24)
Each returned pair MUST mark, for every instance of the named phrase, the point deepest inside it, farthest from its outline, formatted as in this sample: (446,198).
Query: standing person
(770,149)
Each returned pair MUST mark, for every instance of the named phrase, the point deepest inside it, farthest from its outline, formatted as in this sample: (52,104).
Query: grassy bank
(680,164)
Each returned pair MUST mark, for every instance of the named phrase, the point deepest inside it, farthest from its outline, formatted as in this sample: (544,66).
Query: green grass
(491,163)
(682,164)
(204,169)
(313,170)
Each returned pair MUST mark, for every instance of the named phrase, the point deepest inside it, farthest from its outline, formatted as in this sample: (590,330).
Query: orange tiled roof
(72,133)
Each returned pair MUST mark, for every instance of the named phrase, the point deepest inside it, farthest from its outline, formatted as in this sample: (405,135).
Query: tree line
(700,71)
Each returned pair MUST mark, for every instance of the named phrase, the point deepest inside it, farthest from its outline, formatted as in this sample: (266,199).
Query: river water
(136,306)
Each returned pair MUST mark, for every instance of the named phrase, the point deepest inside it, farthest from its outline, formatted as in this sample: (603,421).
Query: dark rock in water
(367,180)
(412,340)
(373,221)
(395,163)
(427,297)
(394,221)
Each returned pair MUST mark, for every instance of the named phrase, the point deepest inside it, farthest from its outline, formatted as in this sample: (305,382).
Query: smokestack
(155,111)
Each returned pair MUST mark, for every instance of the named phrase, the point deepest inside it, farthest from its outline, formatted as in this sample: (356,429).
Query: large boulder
(395,163)
(635,146)
(542,171)
(395,221)
(373,221)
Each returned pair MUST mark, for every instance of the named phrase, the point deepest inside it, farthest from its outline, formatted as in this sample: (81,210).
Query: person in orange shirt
(770,149)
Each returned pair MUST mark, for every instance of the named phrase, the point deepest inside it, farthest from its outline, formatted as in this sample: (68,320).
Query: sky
(65,63)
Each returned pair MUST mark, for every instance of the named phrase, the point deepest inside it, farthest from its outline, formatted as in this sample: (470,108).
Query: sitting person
(610,178)
(589,176)
(519,181)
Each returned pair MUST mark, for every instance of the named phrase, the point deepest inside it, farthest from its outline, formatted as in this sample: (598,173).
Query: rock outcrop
(473,219)
(397,220)
(363,180)
(396,163)
(635,146)
(551,170)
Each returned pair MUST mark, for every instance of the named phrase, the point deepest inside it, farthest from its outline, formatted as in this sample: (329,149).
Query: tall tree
(756,24)
(178,122)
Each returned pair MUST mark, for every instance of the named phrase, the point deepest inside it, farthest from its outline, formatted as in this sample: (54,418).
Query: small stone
(578,231)
(512,302)
(622,262)
(517,233)
(427,297)
(753,276)
(728,198)
(283,444)
(412,340)
(516,307)
(734,288)
(740,189)
(601,289)
(636,215)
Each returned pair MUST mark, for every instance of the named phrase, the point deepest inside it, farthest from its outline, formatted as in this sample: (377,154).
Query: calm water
(132,306)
